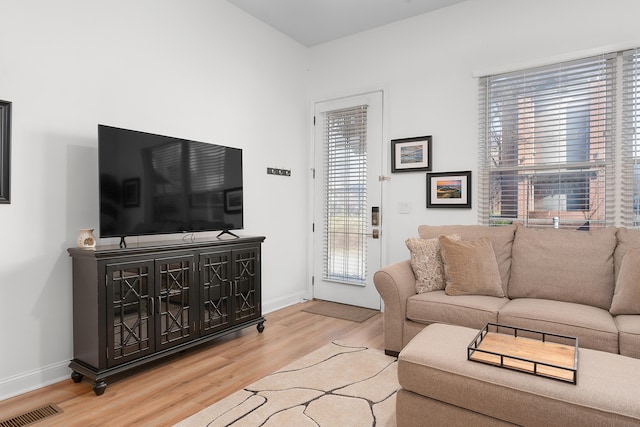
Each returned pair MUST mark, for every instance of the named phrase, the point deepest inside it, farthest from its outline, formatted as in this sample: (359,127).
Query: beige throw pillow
(626,298)
(470,267)
(427,263)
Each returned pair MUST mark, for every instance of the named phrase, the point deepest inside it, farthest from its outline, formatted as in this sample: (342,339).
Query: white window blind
(630,163)
(345,203)
(546,145)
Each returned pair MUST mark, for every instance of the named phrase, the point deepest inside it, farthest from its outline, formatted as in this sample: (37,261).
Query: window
(630,163)
(546,149)
(345,185)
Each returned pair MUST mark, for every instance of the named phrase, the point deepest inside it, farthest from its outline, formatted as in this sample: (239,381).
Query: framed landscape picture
(449,189)
(411,154)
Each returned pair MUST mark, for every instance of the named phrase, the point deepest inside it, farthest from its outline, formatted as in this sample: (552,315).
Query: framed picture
(411,154)
(131,193)
(233,200)
(449,189)
(5,148)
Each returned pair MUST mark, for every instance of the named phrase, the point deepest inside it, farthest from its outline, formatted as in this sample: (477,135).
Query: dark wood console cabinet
(138,304)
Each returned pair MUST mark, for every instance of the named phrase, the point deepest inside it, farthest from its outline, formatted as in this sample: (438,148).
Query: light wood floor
(172,390)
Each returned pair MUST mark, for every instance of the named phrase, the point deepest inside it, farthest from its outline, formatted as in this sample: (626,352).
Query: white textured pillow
(426,263)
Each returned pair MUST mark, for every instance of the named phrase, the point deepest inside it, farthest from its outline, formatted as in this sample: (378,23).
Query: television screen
(154,184)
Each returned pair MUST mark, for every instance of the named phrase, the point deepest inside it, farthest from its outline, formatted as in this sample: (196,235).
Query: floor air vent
(32,416)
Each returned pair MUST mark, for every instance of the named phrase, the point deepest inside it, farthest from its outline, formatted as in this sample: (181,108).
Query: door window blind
(546,145)
(345,202)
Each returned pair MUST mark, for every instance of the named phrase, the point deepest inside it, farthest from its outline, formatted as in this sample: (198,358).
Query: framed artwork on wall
(411,154)
(449,189)
(5,148)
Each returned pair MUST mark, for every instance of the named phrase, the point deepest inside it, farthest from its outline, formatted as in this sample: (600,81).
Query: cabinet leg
(260,327)
(99,387)
(76,376)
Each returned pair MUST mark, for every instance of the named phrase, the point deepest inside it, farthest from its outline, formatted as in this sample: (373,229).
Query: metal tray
(534,352)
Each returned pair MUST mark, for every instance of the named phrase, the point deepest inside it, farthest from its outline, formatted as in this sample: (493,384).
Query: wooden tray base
(533,356)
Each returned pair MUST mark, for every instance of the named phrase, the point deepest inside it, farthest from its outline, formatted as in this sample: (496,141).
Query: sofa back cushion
(563,265)
(626,298)
(501,240)
(627,239)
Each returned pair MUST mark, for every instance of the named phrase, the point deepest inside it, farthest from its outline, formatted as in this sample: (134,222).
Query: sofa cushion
(426,263)
(629,335)
(627,239)
(626,298)
(473,311)
(594,327)
(470,267)
(563,265)
(501,241)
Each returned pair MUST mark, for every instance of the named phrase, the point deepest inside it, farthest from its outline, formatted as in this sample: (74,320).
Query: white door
(347,200)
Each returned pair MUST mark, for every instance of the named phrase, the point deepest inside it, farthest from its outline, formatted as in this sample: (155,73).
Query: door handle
(375,234)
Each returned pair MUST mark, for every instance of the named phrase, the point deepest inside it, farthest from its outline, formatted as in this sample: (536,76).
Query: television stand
(229,233)
(134,306)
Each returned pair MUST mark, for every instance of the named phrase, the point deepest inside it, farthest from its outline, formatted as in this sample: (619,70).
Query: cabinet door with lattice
(246,284)
(129,310)
(176,299)
(215,288)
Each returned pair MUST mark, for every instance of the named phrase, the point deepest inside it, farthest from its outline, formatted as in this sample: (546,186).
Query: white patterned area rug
(336,385)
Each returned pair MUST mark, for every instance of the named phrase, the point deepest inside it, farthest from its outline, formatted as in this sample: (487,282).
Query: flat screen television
(154,184)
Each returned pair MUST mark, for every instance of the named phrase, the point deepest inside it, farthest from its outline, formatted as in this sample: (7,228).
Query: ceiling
(312,22)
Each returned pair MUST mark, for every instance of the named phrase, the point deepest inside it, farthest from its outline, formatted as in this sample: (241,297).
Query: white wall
(204,70)
(426,67)
(196,69)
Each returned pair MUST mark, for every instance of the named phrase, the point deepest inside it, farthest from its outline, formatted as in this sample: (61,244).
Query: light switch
(404,207)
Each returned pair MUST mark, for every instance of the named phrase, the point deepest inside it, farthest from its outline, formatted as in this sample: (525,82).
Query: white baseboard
(33,380)
(51,374)
(277,304)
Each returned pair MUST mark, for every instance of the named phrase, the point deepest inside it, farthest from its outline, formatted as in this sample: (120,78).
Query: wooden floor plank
(174,389)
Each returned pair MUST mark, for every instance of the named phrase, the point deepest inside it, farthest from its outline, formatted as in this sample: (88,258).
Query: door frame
(385,168)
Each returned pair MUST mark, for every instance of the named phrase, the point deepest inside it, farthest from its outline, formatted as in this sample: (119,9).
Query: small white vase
(86,239)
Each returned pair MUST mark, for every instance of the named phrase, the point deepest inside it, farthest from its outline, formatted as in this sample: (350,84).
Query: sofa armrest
(395,283)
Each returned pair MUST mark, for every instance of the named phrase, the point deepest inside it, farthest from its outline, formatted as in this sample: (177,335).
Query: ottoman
(439,386)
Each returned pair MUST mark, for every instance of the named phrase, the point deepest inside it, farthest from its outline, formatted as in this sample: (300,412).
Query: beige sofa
(578,283)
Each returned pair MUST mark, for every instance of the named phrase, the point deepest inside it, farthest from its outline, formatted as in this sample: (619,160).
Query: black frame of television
(155,184)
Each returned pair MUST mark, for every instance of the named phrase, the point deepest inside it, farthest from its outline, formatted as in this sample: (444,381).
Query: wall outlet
(404,207)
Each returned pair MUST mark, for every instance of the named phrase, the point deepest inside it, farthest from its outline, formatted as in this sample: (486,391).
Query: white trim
(33,380)
(60,371)
(549,60)
(280,303)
